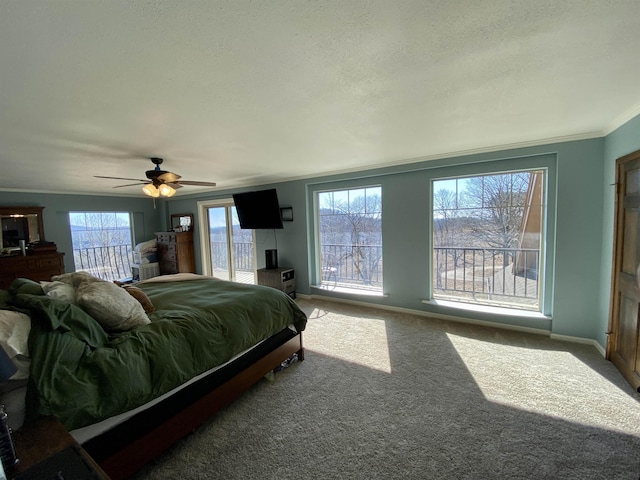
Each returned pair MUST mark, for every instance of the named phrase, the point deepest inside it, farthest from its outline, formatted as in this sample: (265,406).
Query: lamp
(166,190)
(7,367)
(151,190)
(161,190)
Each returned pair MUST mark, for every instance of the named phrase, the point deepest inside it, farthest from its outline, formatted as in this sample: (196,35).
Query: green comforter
(84,375)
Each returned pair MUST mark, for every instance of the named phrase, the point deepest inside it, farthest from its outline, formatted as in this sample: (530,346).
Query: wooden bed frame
(125,449)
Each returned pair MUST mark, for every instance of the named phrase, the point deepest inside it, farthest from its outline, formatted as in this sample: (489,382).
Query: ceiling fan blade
(196,183)
(157,177)
(128,185)
(120,178)
(169,177)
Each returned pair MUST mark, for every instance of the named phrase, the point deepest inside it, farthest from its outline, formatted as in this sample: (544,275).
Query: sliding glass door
(229,250)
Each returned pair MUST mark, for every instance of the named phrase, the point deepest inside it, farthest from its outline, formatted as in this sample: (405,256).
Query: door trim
(618,241)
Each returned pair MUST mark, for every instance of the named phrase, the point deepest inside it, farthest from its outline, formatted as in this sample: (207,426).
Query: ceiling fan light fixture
(166,190)
(160,182)
(151,190)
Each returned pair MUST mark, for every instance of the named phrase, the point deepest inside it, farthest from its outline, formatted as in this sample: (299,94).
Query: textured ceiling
(243,93)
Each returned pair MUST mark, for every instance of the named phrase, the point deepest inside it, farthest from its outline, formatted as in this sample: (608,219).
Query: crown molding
(622,119)
(262,180)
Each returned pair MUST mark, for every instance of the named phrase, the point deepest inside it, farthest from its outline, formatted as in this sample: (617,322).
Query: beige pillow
(76,279)
(112,307)
(60,290)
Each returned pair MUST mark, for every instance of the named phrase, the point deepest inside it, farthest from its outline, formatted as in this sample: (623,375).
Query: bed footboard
(130,458)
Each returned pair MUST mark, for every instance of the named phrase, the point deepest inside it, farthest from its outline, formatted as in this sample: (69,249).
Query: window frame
(315,238)
(546,162)
(129,255)
(205,246)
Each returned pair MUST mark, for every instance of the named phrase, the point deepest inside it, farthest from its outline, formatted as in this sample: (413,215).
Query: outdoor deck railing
(114,262)
(242,255)
(486,272)
(507,272)
(359,266)
(108,263)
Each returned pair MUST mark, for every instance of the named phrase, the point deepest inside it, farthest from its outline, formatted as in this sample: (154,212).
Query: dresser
(175,252)
(35,266)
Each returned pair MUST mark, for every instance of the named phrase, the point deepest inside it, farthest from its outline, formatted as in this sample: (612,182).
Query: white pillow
(60,290)
(148,246)
(111,306)
(14,337)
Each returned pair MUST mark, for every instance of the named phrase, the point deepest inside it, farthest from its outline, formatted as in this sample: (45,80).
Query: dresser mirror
(20,224)
(182,222)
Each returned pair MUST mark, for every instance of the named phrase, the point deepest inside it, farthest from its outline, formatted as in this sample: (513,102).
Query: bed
(130,371)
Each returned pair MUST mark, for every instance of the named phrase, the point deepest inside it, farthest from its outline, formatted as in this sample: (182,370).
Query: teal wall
(287,240)
(575,230)
(575,186)
(146,218)
(579,246)
(622,141)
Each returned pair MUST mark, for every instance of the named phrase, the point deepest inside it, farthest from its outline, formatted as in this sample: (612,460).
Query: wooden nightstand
(281,278)
(46,450)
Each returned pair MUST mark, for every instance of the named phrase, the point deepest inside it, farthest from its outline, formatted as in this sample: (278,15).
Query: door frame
(618,242)
(205,247)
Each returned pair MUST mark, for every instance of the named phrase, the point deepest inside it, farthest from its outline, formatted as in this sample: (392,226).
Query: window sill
(471,307)
(349,291)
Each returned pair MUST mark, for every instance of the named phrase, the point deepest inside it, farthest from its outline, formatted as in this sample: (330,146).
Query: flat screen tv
(258,210)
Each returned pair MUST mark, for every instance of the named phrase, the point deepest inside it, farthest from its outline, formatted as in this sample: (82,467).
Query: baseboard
(439,316)
(586,341)
(470,321)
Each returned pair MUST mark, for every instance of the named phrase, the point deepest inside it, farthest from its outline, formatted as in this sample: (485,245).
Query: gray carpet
(383,395)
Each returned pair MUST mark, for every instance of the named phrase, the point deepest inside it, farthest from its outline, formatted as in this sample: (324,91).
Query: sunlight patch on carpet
(358,340)
(548,382)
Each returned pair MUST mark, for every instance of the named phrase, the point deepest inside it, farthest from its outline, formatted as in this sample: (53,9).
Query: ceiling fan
(159,182)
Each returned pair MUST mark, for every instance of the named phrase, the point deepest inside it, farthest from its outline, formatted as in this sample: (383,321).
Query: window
(102,243)
(350,238)
(229,250)
(487,239)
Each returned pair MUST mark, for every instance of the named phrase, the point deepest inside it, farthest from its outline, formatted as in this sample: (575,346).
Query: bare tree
(448,226)
(445,213)
(496,204)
